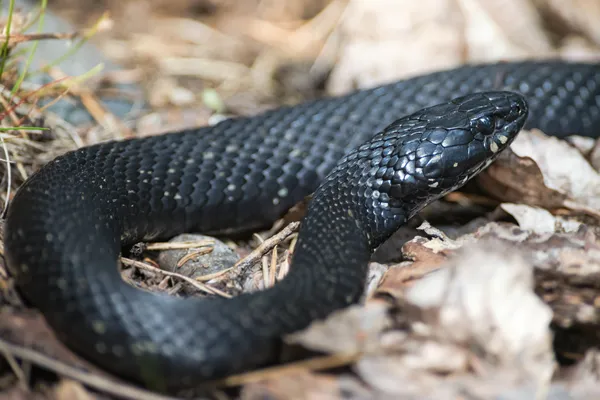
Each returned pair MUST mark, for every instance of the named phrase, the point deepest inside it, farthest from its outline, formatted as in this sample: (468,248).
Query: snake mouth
(508,123)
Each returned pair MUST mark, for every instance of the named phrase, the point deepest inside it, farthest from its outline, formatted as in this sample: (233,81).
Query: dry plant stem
(14,365)
(178,245)
(104,384)
(209,277)
(100,113)
(198,285)
(192,255)
(265,247)
(17,38)
(273,271)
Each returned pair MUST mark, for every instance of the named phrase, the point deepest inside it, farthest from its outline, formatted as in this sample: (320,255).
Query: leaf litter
(505,308)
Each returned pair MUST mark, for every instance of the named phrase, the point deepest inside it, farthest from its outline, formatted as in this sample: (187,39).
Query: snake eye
(516,108)
(485,125)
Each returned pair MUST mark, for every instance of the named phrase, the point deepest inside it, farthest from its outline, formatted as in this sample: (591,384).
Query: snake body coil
(67,223)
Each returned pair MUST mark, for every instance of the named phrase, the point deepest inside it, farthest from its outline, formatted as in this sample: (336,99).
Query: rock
(204,263)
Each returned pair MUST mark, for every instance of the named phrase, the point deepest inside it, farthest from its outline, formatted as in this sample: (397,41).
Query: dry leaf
(485,298)
(352,330)
(567,269)
(410,36)
(544,171)
(578,15)
(426,255)
(538,220)
(514,26)
(390,375)
(419,37)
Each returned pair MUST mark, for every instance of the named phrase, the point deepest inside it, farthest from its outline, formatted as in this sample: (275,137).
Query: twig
(95,381)
(198,285)
(214,275)
(179,245)
(188,257)
(273,271)
(265,247)
(20,38)
(18,371)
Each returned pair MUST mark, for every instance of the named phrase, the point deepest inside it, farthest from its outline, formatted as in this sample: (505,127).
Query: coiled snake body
(67,223)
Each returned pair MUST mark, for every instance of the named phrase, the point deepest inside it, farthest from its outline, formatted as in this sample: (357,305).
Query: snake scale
(373,158)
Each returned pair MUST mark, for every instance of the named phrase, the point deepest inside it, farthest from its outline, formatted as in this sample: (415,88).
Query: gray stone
(221,257)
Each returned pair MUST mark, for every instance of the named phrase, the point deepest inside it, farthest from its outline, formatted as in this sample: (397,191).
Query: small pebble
(221,257)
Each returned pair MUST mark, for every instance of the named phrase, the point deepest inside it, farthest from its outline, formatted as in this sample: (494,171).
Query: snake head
(438,149)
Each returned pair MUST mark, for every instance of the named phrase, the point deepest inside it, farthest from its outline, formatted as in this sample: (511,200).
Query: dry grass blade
(193,255)
(21,38)
(198,285)
(266,246)
(93,380)
(178,245)
(15,367)
(210,277)
(273,270)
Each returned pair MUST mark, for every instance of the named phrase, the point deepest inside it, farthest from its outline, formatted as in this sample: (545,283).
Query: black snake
(67,223)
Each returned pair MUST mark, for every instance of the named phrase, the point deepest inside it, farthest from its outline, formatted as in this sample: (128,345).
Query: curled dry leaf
(479,313)
(538,220)
(390,375)
(426,255)
(400,276)
(514,26)
(375,276)
(579,15)
(485,299)
(419,36)
(544,171)
(350,331)
(411,36)
(585,145)
(567,269)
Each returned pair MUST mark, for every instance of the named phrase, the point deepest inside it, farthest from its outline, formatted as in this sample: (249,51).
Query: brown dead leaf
(485,298)
(410,36)
(544,171)
(567,269)
(514,26)
(426,255)
(476,329)
(584,144)
(400,276)
(579,15)
(350,331)
(375,276)
(420,37)
(406,375)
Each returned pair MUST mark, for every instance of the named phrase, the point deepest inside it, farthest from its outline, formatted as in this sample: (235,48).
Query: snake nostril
(516,108)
